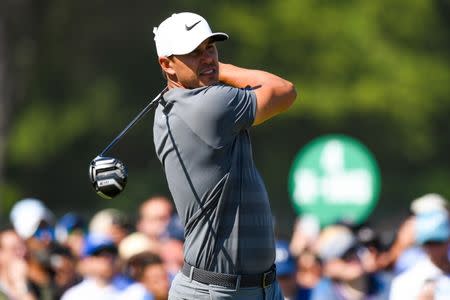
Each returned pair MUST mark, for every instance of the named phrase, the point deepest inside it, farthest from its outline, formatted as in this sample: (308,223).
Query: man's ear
(166,65)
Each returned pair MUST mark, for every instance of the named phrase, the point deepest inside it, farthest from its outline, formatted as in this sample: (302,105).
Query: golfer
(201,135)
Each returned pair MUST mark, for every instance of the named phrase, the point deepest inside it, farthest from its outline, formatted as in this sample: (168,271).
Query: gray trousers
(184,288)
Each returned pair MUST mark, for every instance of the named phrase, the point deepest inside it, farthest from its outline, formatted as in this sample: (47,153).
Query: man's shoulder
(216,90)
(225,90)
(212,112)
(215,100)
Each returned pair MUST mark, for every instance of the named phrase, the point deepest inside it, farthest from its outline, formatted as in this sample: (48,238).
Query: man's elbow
(290,94)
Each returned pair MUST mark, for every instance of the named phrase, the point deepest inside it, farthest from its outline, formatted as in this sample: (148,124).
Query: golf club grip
(144,111)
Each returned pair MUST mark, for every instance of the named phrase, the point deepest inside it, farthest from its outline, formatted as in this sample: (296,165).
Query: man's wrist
(233,76)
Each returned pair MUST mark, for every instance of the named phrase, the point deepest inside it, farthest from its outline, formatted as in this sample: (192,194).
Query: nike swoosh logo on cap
(188,28)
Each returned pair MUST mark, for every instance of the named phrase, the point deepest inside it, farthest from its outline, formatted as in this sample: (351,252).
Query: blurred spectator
(99,266)
(345,277)
(403,243)
(432,232)
(286,273)
(414,253)
(428,203)
(70,231)
(112,223)
(442,288)
(304,237)
(132,245)
(148,270)
(63,265)
(404,252)
(309,270)
(427,290)
(40,271)
(368,238)
(172,256)
(32,219)
(341,262)
(136,243)
(155,215)
(175,229)
(306,232)
(13,268)
(34,222)
(158,221)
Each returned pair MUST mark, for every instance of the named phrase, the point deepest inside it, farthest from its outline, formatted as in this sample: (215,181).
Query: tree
(364,68)
(5,96)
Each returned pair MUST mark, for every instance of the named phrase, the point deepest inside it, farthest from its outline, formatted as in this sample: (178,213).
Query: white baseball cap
(334,241)
(136,243)
(27,214)
(182,32)
(428,203)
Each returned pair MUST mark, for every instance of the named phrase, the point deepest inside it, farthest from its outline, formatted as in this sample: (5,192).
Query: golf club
(109,175)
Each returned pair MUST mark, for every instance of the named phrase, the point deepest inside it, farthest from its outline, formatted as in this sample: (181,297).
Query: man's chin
(209,81)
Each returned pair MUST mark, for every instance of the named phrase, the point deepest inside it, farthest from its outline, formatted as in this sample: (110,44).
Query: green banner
(334,178)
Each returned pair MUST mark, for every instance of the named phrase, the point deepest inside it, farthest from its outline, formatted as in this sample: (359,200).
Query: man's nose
(207,56)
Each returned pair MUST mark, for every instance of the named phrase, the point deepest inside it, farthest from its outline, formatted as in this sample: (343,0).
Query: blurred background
(74,73)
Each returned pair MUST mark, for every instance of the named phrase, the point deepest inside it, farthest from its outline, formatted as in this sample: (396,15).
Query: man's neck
(173,84)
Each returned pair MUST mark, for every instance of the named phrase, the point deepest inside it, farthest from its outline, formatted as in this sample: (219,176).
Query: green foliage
(350,57)
(8,196)
(46,129)
(376,70)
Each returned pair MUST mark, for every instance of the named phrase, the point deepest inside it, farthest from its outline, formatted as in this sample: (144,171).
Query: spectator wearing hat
(112,223)
(70,231)
(286,273)
(345,276)
(131,246)
(135,243)
(34,223)
(432,233)
(404,252)
(32,219)
(99,266)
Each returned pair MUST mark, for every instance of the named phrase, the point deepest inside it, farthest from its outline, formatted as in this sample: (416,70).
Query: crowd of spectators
(112,256)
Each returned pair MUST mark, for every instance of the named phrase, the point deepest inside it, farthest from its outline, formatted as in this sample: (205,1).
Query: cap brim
(219,37)
(216,37)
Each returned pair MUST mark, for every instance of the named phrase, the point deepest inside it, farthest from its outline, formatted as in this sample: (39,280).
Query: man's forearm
(241,77)
(274,94)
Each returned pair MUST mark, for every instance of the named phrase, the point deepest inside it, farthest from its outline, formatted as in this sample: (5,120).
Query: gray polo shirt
(202,139)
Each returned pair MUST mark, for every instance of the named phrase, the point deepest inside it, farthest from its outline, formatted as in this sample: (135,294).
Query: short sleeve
(218,113)
(234,108)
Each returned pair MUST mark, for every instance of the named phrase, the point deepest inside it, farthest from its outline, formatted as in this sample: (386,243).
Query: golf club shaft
(146,109)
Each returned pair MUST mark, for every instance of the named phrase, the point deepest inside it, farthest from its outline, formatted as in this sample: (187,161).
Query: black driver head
(108,175)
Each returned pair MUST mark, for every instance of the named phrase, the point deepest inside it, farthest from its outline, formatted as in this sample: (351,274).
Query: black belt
(230,280)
